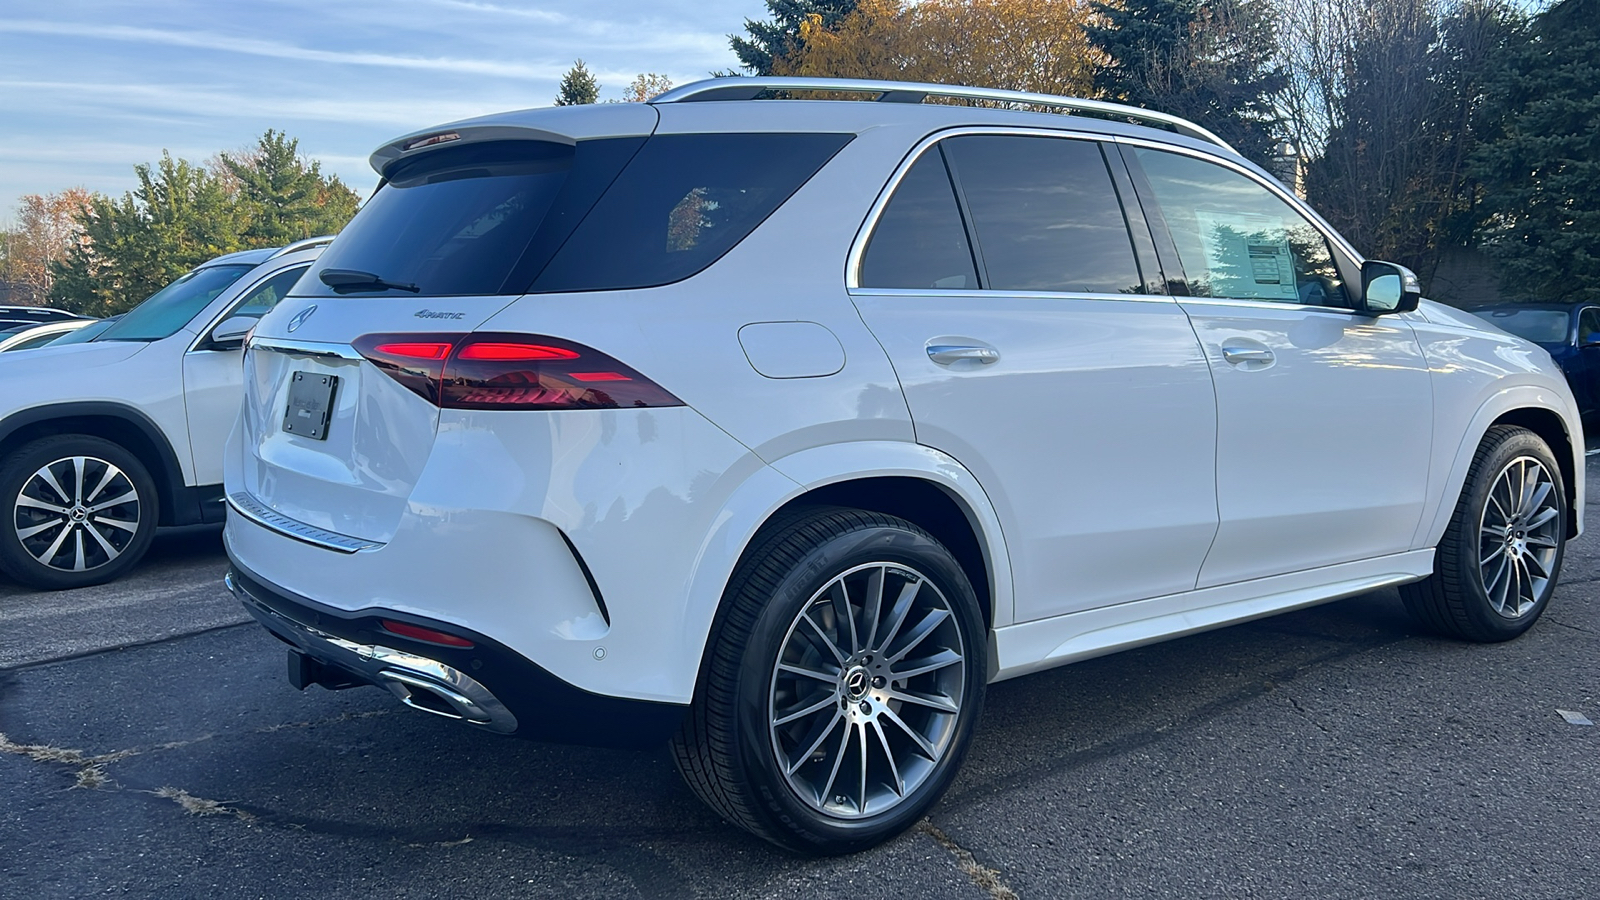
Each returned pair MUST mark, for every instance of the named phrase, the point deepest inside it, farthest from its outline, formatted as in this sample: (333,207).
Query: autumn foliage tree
(1028,45)
(45,231)
(646,87)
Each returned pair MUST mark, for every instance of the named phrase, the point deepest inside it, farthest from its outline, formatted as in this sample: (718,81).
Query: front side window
(264,296)
(1045,214)
(169,309)
(1589,326)
(1238,240)
(920,241)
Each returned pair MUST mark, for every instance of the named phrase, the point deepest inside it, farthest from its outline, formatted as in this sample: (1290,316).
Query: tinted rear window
(1046,215)
(682,203)
(920,241)
(507,217)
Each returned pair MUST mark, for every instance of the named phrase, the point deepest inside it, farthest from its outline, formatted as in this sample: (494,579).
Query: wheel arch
(123,425)
(916,483)
(1541,411)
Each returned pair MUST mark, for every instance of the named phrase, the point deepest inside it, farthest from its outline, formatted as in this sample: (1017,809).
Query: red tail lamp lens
(506,352)
(415,351)
(499,370)
(418,633)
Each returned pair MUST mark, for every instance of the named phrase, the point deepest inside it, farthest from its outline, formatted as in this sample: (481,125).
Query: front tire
(842,687)
(80,510)
(1497,566)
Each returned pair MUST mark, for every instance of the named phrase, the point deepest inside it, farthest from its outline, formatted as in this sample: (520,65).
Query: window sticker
(1248,255)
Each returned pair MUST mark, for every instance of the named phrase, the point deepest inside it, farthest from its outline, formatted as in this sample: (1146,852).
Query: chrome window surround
(858,246)
(263,515)
(741,88)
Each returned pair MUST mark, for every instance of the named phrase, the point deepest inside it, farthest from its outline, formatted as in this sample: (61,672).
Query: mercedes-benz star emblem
(301,317)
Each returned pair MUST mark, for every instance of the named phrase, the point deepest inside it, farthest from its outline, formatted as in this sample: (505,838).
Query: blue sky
(88,89)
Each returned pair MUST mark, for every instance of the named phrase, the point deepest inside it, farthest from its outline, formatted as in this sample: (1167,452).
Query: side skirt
(1047,643)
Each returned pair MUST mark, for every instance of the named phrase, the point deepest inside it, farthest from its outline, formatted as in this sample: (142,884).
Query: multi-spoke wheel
(81,511)
(842,685)
(1497,564)
(867,690)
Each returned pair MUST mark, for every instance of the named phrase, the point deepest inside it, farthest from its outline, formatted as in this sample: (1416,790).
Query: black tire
(1471,595)
(729,747)
(113,537)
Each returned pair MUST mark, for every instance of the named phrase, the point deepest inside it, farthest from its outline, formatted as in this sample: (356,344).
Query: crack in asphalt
(986,879)
(1306,714)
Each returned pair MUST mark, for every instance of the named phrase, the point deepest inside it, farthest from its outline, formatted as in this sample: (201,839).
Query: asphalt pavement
(150,747)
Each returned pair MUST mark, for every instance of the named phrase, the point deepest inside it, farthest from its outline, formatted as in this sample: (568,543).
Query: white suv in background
(108,432)
(778,428)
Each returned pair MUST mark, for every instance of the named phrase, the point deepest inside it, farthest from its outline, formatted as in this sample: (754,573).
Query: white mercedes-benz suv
(778,428)
(117,428)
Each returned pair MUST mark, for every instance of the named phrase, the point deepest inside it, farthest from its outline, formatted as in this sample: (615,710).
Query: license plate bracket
(310,405)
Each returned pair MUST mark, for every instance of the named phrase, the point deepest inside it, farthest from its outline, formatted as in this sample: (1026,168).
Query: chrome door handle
(1245,354)
(945,354)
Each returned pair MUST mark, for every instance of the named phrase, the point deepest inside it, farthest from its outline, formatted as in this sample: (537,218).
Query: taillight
(509,371)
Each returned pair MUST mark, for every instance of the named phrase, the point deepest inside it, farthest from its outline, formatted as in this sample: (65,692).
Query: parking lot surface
(150,747)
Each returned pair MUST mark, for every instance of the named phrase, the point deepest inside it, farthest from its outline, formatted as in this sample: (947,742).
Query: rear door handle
(1238,355)
(946,354)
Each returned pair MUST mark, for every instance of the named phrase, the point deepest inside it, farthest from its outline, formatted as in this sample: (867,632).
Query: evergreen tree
(179,216)
(1540,174)
(778,37)
(577,87)
(283,197)
(1209,61)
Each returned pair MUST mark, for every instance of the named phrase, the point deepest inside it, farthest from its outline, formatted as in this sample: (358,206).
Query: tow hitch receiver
(305,671)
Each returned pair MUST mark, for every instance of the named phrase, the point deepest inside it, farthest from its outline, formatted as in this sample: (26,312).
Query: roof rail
(306,244)
(741,88)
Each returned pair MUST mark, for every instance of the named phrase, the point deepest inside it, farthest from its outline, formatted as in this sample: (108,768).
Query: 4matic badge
(436,314)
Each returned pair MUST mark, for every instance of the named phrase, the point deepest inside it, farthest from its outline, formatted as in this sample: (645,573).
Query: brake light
(418,633)
(510,371)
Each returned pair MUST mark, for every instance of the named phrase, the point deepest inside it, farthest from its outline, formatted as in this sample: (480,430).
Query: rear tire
(79,510)
(1497,566)
(841,688)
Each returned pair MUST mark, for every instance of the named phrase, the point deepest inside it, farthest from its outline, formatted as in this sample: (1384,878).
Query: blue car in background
(1571,332)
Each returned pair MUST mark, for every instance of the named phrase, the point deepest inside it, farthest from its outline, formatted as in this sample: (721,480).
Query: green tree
(1540,171)
(1213,62)
(284,197)
(578,87)
(775,38)
(179,216)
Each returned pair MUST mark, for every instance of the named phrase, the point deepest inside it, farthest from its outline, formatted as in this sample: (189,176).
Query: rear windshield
(509,217)
(171,308)
(1543,326)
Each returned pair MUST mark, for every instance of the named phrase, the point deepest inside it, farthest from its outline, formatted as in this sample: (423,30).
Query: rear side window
(682,203)
(1045,214)
(920,241)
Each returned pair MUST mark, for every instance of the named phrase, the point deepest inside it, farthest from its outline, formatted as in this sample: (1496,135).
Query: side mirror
(1388,288)
(230,335)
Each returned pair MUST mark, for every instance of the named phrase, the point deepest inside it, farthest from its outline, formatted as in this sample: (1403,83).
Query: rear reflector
(418,633)
(509,371)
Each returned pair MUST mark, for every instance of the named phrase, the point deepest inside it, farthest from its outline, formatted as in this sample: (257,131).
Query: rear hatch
(347,376)
(466,216)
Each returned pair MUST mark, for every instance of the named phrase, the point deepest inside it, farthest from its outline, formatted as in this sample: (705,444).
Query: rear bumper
(487,685)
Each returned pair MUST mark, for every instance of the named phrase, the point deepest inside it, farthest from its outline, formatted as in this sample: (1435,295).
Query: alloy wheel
(1517,537)
(866,691)
(77,513)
